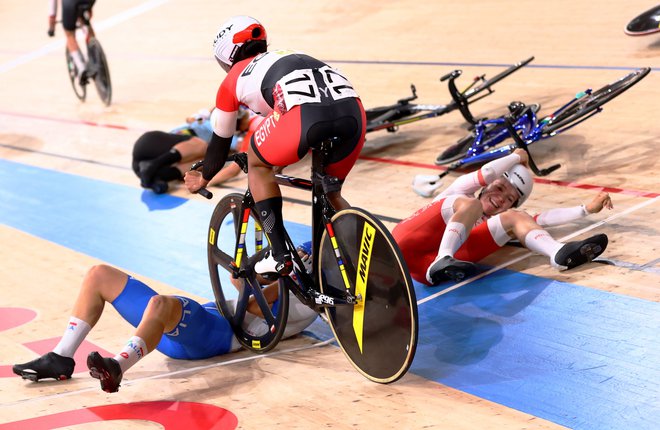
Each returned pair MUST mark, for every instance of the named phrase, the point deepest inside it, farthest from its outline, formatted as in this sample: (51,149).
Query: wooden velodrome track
(162,70)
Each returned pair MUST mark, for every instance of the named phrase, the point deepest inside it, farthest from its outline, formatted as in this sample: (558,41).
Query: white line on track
(126,383)
(59,44)
(524,256)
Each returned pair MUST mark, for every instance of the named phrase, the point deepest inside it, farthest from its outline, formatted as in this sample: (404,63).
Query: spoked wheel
(588,103)
(231,223)
(100,70)
(379,334)
(79,90)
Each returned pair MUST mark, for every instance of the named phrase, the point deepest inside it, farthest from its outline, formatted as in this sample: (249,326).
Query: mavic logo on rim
(364,261)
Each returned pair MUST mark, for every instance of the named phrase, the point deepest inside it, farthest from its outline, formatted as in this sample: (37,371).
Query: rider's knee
(469,206)
(512,218)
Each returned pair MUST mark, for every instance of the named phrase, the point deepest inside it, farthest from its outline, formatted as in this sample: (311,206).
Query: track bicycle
(97,64)
(484,143)
(404,112)
(645,23)
(359,277)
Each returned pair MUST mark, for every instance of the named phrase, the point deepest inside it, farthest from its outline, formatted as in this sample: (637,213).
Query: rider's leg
(562,255)
(268,203)
(101,284)
(75,53)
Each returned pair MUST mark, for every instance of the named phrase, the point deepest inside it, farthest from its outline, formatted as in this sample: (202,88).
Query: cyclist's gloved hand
(51,26)
(305,254)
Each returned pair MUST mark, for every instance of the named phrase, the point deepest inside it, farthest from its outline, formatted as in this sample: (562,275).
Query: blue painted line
(579,357)
(159,236)
(462,64)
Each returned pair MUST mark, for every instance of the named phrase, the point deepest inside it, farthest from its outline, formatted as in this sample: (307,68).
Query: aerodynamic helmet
(521,178)
(232,35)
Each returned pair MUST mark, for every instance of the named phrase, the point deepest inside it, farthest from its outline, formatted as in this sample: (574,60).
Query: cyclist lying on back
(445,238)
(304,101)
(160,157)
(177,326)
(69,21)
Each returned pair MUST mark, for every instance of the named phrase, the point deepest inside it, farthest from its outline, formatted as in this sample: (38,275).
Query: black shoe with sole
(574,254)
(449,268)
(50,365)
(107,370)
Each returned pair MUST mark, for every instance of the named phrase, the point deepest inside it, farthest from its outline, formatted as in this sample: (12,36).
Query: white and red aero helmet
(521,178)
(232,35)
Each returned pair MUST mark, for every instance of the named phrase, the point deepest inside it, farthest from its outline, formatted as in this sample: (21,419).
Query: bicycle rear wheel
(101,70)
(79,90)
(590,102)
(379,334)
(236,239)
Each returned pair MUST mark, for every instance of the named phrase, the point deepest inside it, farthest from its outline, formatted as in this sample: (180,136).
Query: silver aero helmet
(232,35)
(521,178)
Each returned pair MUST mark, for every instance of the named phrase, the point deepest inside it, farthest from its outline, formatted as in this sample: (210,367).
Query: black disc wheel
(100,71)
(378,335)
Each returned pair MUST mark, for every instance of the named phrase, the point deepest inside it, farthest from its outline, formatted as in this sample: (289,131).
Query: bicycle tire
(225,228)
(79,90)
(381,345)
(495,79)
(589,103)
(102,72)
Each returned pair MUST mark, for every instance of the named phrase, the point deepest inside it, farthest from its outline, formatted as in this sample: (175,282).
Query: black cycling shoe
(146,173)
(84,78)
(272,268)
(107,370)
(449,268)
(50,365)
(574,254)
(159,186)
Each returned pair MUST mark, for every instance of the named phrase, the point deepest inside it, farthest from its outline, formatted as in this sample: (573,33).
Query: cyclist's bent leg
(276,142)
(350,126)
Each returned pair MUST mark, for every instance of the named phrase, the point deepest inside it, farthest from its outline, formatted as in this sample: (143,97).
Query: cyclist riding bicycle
(304,101)
(70,13)
(445,238)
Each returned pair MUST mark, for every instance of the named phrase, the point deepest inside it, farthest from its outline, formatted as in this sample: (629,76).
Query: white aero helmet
(232,35)
(521,178)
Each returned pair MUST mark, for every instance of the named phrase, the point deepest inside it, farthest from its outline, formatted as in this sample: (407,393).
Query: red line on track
(612,190)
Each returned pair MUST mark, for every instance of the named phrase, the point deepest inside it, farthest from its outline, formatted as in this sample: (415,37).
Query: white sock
(73,336)
(134,350)
(78,60)
(452,239)
(541,242)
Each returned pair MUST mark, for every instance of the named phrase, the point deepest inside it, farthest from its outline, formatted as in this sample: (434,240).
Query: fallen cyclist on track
(160,157)
(443,240)
(177,326)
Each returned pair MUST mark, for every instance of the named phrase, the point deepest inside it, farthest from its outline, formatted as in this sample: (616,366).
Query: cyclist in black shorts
(304,101)
(70,12)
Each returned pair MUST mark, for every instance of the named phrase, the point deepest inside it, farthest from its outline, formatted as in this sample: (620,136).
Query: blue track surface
(576,356)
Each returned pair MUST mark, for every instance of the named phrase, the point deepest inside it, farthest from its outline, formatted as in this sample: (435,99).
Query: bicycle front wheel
(590,102)
(101,70)
(379,334)
(256,314)
(79,90)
